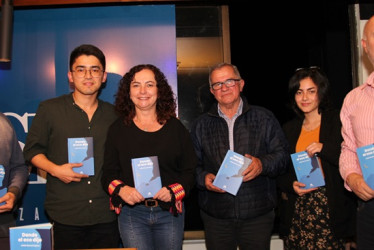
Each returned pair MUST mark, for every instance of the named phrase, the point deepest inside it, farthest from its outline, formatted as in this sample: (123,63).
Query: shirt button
(88,182)
(90,201)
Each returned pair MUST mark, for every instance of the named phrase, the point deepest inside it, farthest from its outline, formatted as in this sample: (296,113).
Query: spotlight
(6,30)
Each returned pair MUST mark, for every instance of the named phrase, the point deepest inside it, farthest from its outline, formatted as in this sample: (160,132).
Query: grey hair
(221,65)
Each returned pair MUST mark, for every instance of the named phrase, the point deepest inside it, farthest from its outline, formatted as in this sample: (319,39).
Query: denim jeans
(228,234)
(150,228)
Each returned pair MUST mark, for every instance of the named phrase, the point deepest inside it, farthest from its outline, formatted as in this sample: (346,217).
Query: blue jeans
(228,234)
(150,228)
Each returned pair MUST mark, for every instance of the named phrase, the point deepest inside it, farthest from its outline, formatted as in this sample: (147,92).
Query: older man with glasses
(245,220)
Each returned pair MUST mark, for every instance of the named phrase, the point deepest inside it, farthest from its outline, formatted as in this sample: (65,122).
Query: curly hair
(320,80)
(165,104)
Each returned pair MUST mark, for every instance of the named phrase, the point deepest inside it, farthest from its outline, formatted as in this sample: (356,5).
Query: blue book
(80,150)
(229,176)
(365,156)
(36,236)
(146,174)
(3,189)
(308,169)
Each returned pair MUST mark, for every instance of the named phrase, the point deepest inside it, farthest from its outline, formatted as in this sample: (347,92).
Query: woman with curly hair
(148,127)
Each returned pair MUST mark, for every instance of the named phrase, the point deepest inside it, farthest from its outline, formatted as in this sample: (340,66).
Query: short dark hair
(89,50)
(165,104)
(320,80)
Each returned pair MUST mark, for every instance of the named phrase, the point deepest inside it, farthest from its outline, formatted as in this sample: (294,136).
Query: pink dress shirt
(357,117)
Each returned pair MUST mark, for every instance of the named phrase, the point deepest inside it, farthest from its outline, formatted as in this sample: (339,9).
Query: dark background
(271,40)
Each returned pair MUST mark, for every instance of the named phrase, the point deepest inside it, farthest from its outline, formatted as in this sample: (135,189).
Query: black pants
(104,235)
(365,225)
(228,234)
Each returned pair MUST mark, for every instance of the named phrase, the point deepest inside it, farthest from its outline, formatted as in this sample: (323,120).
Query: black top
(76,203)
(171,144)
(341,203)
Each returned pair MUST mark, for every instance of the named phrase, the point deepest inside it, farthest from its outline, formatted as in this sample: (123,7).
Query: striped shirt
(357,116)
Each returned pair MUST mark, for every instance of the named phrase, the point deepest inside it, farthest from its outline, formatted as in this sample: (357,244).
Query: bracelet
(113,187)
(177,194)
(115,202)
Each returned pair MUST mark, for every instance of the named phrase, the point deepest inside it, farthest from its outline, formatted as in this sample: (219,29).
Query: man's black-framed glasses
(228,83)
(82,71)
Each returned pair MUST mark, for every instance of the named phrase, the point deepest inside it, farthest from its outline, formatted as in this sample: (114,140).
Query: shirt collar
(238,112)
(370,80)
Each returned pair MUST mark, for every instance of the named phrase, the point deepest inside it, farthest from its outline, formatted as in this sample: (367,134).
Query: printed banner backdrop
(42,42)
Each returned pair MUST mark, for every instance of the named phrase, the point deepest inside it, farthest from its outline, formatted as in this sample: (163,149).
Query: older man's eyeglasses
(94,72)
(228,83)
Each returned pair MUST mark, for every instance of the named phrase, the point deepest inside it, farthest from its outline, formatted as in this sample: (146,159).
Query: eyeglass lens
(228,83)
(94,72)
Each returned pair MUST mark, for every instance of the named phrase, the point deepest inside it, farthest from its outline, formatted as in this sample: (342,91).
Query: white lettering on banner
(37,213)
(21,214)
(24,120)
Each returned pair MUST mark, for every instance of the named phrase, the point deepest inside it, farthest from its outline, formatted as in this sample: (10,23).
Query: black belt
(150,203)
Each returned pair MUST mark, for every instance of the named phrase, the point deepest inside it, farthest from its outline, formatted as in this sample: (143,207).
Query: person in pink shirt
(357,116)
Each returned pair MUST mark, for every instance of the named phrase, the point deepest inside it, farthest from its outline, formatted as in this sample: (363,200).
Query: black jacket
(256,132)
(341,203)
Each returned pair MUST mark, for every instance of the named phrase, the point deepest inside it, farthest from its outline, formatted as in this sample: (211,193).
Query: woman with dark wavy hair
(323,217)
(148,127)
(165,106)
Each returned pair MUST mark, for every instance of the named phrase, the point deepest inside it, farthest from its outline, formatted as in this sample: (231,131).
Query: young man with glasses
(76,203)
(245,220)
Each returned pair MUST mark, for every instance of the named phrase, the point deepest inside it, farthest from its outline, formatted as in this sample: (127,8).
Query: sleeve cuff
(114,187)
(177,193)
(115,201)
(15,191)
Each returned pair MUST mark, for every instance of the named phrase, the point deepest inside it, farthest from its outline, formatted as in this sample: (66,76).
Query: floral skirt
(311,224)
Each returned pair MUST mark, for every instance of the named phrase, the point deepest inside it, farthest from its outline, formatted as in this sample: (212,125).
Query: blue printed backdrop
(42,42)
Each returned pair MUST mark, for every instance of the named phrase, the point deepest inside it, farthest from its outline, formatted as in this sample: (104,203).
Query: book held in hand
(229,176)
(365,156)
(36,236)
(80,150)
(146,174)
(308,170)
(3,188)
